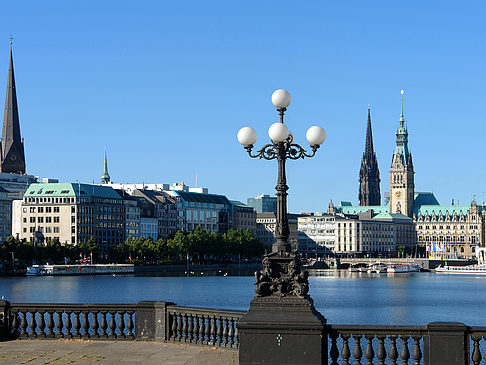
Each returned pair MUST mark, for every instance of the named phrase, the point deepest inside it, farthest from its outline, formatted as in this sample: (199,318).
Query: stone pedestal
(282,330)
(151,321)
(446,343)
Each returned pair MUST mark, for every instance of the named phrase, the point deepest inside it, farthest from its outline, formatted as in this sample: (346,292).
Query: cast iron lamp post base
(283,327)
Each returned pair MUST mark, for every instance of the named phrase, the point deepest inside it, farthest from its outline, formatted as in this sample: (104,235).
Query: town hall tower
(401,173)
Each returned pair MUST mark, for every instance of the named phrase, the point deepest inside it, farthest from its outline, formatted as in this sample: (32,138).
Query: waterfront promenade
(37,352)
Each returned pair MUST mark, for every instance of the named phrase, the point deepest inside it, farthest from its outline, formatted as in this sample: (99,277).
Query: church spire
(369,137)
(369,174)
(105,178)
(12,146)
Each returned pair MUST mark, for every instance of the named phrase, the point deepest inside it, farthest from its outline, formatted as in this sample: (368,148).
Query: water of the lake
(343,298)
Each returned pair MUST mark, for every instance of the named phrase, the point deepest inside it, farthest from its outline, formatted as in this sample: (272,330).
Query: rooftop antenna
(196,181)
(11,39)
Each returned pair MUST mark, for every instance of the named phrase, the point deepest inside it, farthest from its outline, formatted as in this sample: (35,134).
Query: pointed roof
(369,137)
(11,138)
(401,149)
(105,177)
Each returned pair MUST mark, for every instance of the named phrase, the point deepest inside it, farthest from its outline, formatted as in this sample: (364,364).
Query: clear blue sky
(166,85)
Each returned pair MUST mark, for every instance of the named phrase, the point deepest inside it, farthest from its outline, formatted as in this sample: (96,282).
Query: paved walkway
(37,352)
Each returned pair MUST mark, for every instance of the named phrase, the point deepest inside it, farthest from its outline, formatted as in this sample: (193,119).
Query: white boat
(108,269)
(377,268)
(353,268)
(403,268)
(470,269)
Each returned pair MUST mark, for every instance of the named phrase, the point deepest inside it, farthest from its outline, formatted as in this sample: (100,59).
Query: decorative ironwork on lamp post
(281,274)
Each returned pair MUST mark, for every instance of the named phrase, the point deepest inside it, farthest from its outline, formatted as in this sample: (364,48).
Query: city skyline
(167,90)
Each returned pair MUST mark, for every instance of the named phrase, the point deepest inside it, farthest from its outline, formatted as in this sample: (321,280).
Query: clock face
(398,194)
(13,157)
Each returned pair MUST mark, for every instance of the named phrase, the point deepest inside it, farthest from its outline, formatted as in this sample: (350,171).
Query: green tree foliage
(200,246)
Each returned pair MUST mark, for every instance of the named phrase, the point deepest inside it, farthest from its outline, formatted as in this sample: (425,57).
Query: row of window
(472,239)
(462,226)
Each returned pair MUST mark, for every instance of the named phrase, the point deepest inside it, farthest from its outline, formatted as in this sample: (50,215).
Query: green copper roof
(401,148)
(391,216)
(71,190)
(444,209)
(364,208)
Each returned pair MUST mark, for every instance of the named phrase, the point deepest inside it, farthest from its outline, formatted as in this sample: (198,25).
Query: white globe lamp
(315,135)
(281,98)
(247,136)
(278,132)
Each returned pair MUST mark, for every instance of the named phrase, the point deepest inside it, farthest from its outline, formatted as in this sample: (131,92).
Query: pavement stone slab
(60,352)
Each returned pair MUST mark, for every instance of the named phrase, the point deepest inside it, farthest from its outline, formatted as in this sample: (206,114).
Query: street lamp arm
(268,152)
(295,151)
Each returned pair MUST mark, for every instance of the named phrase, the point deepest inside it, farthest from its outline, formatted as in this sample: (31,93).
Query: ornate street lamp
(282,310)
(281,148)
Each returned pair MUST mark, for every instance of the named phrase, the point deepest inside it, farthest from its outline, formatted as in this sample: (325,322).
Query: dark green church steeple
(105,178)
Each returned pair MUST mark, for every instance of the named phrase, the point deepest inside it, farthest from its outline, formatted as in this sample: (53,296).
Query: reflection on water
(342,297)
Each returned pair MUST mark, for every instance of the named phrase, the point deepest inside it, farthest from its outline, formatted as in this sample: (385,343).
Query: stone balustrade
(433,344)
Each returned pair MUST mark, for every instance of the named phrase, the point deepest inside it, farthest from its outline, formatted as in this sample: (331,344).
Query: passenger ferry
(109,269)
(470,269)
(479,269)
(402,268)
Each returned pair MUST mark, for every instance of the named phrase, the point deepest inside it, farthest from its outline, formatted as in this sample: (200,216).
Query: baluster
(231,332)
(417,352)
(213,330)
(179,326)
(225,332)
(219,331)
(393,350)
(484,337)
(121,325)
(476,355)
(59,332)
(85,324)
(357,353)
(208,330)
(345,353)
(130,325)
(50,324)
(23,325)
(369,353)
(104,325)
(202,330)
(41,325)
(196,328)
(32,325)
(237,338)
(381,354)
(404,354)
(77,324)
(190,328)
(184,329)
(95,325)
(334,352)
(174,326)
(112,325)
(15,325)
(69,324)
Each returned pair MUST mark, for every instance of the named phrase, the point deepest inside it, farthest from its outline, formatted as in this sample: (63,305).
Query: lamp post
(282,325)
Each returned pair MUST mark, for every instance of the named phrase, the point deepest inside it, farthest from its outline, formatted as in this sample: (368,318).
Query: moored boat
(108,269)
(469,269)
(403,268)
(377,268)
